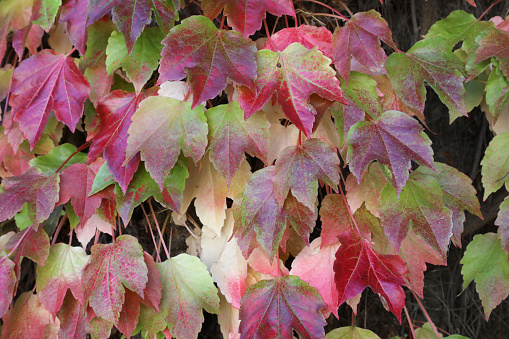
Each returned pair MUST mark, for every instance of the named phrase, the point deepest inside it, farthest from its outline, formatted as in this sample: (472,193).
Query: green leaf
(44,12)
(495,164)
(351,332)
(143,60)
(102,179)
(497,93)
(361,90)
(49,163)
(486,262)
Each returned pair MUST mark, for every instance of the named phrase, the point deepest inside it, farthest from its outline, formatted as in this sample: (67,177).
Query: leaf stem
(349,210)
(59,227)
(327,6)
(426,314)
(486,11)
(409,322)
(158,229)
(81,148)
(19,242)
(70,52)
(152,234)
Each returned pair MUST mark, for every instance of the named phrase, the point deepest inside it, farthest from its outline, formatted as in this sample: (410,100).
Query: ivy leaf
(14,15)
(274,308)
(143,186)
(27,319)
(61,271)
(497,94)
(44,12)
(393,139)
(115,111)
(8,281)
(421,205)
(360,38)
(495,164)
(298,169)
(74,14)
(246,16)
(301,218)
(196,49)
(503,224)
(35,245)
(308,36)
(51,162)
(187,289)
(39,191)
(428,60)
(358,265)
(230,136)
(112,267)
(293,74)
(349,332)
(367,191)
(45,82)
(72,316)
(160,129)
(362,94)
(487,263)
(314,265)
(494,44)
(143,59)
(32,41)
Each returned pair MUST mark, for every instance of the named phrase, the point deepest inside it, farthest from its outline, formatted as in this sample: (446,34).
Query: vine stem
(59,227)
(327,6)
(409,322)
(158,256)
(486,11)
(158,229)
(348,207)
(426,314)
(81,148)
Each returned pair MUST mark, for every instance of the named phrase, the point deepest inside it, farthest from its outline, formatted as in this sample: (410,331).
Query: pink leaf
(308,36)
(8,281)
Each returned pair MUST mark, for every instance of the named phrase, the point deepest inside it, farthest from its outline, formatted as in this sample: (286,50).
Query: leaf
(422,202)
(294,74)
(115,111)
(153,290)
(28,318)
(230,136)
(246,16)
(51,162)
(112,267)
(358,265)
(503,224)
(39,191)
(497,94)
(301,218)
(74,15)
(428,60)
(14,15)
(487,263)
(298,169)
(274,308)
(44,82)
(494,44)
(314,265)
(72,316)
(129,315)
(308,36)
(141,62)
(160,129)
(362,93)
(368,191)
(61,271)
(35,245)
(8,281)
(360,38)
(187,289)
(143,186)
(351,332)
(208,57)
(32,41)
(44,12)
(228,319)
(394,139)
(495,164)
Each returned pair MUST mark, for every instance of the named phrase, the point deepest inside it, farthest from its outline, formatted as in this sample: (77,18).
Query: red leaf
(495,44)
(360,38)
(394,139)
(112,267)
(45,82)
(129,315)
(35,245)
(153,290)
(308,36)
(7,281)
(246,16)
(196,49)
(39,191)
(293,74)
(299,167)
(274,308)
(32,40)
(72,318)
(28,318)
(357,266)
(74,14)
(115,111)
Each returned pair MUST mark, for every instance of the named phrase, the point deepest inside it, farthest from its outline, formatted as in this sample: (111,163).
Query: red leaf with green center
(246,16)
(358,266)
(160,129)
(421,204)
(74,14)
(503,224)
(45,82)
(61,271)
(8,281)
(308,36)
(299,167)
(274,308)
(260,214)
(115,111)
(495,44)
(39,191)
(394,139)
(487,263)
(208,57)
(27,319)
(230,136)
(431,61)
(293,74)
(458,193)
(112,267)
(360,39)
